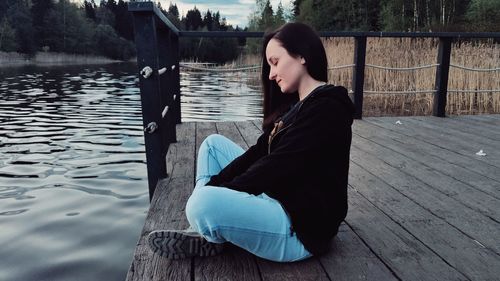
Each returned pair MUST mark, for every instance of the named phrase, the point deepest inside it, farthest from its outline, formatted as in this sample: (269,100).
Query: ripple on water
(36,157)
(73,167)
(28,171)
(13,212)
(64,176)
(78,221)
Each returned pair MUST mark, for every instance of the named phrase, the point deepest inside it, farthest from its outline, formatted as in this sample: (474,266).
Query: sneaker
(179,244)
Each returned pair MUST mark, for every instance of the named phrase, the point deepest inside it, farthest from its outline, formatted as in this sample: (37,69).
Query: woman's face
(286,70)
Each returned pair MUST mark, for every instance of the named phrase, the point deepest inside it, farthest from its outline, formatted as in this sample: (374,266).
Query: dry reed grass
(406,53)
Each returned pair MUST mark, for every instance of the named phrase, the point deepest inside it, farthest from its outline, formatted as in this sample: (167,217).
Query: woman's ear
(302,60)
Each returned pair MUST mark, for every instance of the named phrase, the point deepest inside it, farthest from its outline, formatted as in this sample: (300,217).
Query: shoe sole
(175,245)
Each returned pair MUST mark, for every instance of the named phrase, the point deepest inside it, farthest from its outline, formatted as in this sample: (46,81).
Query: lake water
(73,182)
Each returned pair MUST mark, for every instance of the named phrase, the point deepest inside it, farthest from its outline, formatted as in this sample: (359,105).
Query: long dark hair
(299,40)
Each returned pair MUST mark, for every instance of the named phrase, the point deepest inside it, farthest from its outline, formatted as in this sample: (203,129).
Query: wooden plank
(438,199)
(234,263)
(492,119)
(249,132)
(180,157)
(474,173)
(436,137)
(407,256)
(417,167)
(489,135)
(203,130)
(460,251)
(258,123)
(147,266)
(469,124)
(480,174)
(230,131)
(167,212)
(350,259)
(461,143)
(469,142)
(309,269)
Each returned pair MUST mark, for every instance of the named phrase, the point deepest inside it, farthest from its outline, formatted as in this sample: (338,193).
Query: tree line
(400,15)
(383,15)
(30,26)
(218,50)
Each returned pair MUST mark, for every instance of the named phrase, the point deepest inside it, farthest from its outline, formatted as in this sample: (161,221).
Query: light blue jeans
(257,224)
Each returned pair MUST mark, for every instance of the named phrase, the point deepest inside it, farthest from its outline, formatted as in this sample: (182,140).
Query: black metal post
(176,79)
(167,127)
(358,77)
(444,53)
(151,101)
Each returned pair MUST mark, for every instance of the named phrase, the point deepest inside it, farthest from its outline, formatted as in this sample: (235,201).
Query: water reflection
(226,96)
(73,183)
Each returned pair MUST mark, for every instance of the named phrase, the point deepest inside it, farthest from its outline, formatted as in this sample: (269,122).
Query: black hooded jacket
(304,165)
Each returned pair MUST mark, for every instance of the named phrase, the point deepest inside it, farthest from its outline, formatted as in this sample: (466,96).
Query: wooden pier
(422,206)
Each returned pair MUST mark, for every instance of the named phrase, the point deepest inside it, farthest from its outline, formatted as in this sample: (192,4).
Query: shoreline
(13,59)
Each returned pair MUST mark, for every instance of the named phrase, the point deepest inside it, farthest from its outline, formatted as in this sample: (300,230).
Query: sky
(236,12)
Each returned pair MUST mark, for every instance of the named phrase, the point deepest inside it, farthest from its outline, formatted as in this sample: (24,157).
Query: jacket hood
(337,93)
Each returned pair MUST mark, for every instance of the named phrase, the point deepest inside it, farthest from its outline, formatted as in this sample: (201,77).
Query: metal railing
(157,43)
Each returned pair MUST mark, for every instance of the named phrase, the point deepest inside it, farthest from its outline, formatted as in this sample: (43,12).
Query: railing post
(444,53)
(166,87)
(358,77)
(147,55)
(176,79)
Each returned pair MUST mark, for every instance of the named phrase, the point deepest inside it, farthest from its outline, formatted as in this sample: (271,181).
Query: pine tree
(20,19)
(173,15)
(90,8)
(104,15)
(123,21)
(208,21)
(256,16)
(7,37)
(267,17)
(216,18)
(484,14)
(193,19)
(279,19)
(39,11)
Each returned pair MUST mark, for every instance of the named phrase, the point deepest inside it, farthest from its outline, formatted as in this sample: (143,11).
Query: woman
(285,197)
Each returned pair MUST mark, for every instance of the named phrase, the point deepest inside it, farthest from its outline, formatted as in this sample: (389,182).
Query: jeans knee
(201,207)
(213,139)
(210,139)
